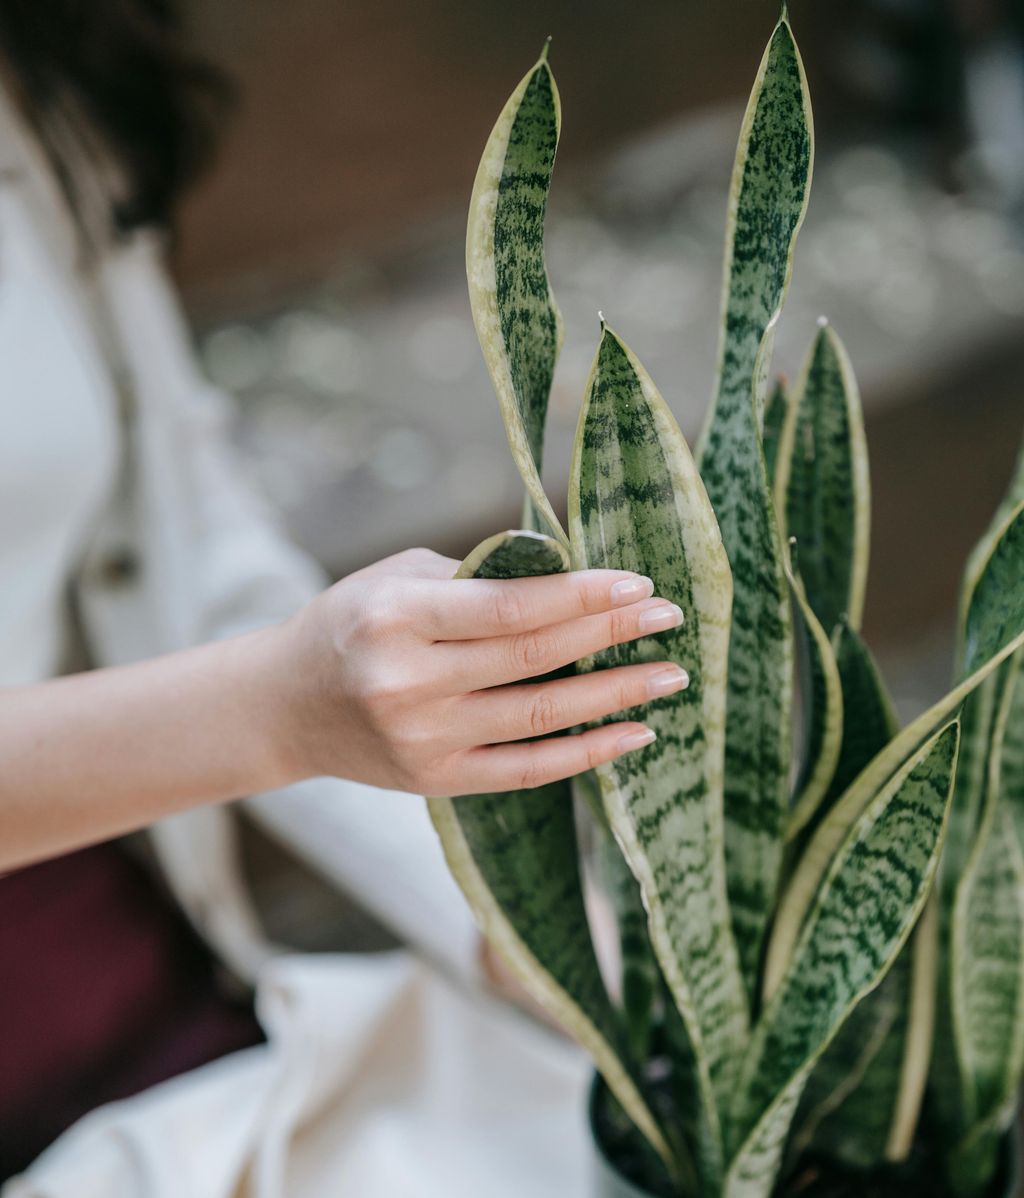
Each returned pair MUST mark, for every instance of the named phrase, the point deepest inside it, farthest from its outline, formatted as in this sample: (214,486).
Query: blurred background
(322,259)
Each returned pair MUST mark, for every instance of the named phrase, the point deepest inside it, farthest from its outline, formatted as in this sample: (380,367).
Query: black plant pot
(609,1182)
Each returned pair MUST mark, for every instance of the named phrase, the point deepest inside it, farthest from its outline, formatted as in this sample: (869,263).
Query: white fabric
(403,1088)
(377,1080)
(59,450)
(211,562)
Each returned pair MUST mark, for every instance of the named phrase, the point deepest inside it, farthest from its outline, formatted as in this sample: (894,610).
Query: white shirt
(58,440)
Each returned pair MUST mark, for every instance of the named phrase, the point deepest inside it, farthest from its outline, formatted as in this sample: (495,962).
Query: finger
(476,665)
(472,608)
(510,713)
(415,564)
(526,766)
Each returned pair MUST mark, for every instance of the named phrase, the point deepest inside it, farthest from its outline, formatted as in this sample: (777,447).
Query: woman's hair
(125,68)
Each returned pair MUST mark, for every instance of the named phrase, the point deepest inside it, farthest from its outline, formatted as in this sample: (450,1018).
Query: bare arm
(397,676)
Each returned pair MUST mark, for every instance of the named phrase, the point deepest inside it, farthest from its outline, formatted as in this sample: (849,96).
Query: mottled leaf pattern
(869,901)
(515,858)
(986,971)
(869,719)
(822,487)
(994,630)
(636,502)
(767,202)
(821,697)
(772,555)
(774,419)
(516,317)
(847,1107)
(639,974)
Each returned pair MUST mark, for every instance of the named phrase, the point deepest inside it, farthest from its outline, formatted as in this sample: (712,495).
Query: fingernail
(630,590)
(636,740)
(667,682)
(660,618)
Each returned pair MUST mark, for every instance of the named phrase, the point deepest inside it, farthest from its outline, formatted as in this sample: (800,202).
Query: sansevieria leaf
(516,317)
(986,972)
(767,201)
(822,487)
(870,899)
(869,719)
(822,708)
(774,420)
(515,857)
(636,502)
(979,711)
(847,1106)
(994,630)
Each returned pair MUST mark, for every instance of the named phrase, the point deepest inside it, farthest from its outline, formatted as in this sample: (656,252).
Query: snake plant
(821,914)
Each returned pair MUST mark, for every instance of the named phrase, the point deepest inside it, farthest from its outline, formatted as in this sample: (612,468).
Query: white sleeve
(234,570)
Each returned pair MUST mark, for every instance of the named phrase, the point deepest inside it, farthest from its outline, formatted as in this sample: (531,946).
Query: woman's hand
(399,676)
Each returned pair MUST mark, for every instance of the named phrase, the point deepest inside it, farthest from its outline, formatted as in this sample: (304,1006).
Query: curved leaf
(516,317)
(774,419)
(986,971)
(821,698)
(869,718)
(767,201)
(846,1109)
(822,485)
(515,857)
(995,629)
(872,896)
(636,502)
(988,1000)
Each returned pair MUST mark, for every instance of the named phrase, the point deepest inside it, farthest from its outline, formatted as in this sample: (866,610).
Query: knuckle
(419,555)
(543,714)
(629,692)
(593,756)
(507,607)
(529,652)
(531,775)
(375,623)
(381,692)
(591,596)
(621,625)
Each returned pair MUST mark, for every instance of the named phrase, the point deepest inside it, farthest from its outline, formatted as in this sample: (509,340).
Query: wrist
(272,702)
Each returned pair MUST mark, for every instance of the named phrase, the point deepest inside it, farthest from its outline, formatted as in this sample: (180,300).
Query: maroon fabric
(104,990)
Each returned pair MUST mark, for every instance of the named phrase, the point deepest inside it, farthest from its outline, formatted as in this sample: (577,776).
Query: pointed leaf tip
(546,49)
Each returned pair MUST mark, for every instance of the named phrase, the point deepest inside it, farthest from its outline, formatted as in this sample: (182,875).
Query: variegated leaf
(516,317)
(986,971)
(988,1000)
(774,419)
(994,630)
(979,710)
(863,1099)
(869,902)
(821,703)
(636,502)
(515,857)
(639,974)
(822,486)
(869,718)
(847,1107)
(1011,759)
(767,201)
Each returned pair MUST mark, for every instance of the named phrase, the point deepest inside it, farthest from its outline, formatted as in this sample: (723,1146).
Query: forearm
(95,755)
